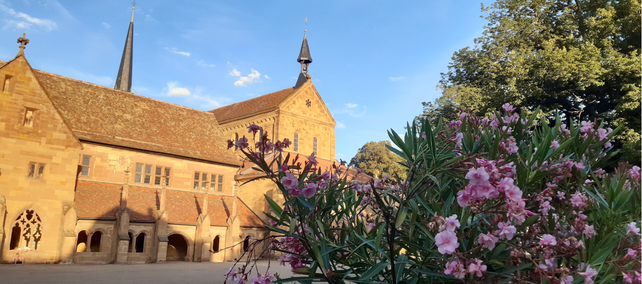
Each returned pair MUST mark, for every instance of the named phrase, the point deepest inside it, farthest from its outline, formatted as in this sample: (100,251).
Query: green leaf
(374,270)
(401,216)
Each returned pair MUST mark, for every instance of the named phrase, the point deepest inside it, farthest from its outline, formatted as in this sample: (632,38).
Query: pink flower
(555,144)
(566,280)
(548,240)
(284,168)
(587,126)
(477,268)
(487,241)
(506,230)
(545,207)
(371,225)
(253,128)
(631,253)
(290,182)
(589,231)
(561,195)
(514,194)
(512,148)
(313,160)
(599,173)
(446,242)
(627,278)
(602,133)
(508,107)
(309,190)
(635,172)
(577,200)
(632,229)
(477,176)
(452,223)
(463,198)
(456,268)
(423,135)
(588,275)
(242,143)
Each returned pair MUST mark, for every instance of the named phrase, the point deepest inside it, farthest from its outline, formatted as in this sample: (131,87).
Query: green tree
(581,57)
(376,160)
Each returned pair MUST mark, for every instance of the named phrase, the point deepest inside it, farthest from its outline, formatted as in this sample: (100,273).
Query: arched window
(315,143)
(296,142)
(140,243)
(95,241)
(81,243)
(130,247)
(246,243)
(26,231)
(215,244)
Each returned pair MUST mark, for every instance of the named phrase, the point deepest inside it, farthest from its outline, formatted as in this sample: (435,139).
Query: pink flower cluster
(446,240)
(457,268)
(293,245)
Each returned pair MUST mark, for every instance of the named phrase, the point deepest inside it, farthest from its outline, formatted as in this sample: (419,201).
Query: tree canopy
(580,57)
(376,160)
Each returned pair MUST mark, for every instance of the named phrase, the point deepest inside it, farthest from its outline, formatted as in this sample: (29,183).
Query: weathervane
(305,30)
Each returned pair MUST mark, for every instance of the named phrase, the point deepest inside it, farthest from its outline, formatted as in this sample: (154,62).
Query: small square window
(41,170)
(148,174)
(139,173)
(29,115)
(86,160)
(204,181)
(158,175)
(197,176)
(220,183)
(6,83)
(167,172)
(31,170)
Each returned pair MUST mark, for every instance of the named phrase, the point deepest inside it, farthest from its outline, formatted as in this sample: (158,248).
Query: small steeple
(304,59)
(124,79)
(23,41)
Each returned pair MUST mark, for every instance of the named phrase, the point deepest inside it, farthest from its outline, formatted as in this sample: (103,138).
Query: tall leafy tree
(581,57)
(376,160)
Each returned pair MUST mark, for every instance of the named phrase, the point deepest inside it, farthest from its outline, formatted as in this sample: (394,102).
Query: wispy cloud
(176,51)
(393,79)
(267,77)
(203,64)
(353,110)
(340,124)
(24,21)
(245,80)
(174,90)
(106,25)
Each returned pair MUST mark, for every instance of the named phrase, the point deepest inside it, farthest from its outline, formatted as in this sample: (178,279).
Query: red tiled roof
(101,114)
(251,107)
(97,200)
(246,216)
(183,207)
(219,209)
(142,203)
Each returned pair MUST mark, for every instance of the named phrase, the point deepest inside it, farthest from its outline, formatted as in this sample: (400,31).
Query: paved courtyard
(171,272)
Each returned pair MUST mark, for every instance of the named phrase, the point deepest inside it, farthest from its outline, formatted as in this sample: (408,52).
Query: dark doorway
(96,238)
(140,243)
(176,248)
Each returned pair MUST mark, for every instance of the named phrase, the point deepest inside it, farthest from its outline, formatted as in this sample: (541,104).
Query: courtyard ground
(157,273)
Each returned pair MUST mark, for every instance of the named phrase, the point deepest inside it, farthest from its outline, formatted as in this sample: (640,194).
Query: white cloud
(353,110)
(203,64)
(340,124)
(24,21)
(235,73)
(393,79)
(106,25)
(267,77)
(174,90)
(247,80)
(174,50)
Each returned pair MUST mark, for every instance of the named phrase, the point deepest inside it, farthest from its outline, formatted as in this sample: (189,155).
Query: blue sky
(374,61)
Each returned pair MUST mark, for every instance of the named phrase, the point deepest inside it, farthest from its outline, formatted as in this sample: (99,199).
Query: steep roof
(100,114)
(252,107)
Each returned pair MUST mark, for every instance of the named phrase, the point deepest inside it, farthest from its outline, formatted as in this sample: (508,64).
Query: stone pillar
(69,229)
(161,236)
(3,212)
(203,239)
(123,236)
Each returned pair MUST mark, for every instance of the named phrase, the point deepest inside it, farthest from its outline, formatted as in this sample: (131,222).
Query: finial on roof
(304,58)
(23,41)
(124,78)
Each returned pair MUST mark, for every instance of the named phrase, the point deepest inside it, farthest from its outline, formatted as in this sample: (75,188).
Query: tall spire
(304,59)
(124,79)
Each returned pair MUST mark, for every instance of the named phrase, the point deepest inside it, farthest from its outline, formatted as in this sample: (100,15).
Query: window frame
(295,143)
(6,83)
(197,181)
(38,172)
(315,146)
(32,123)
(83,166)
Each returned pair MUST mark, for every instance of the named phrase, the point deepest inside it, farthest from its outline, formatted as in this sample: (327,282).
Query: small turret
(124,78)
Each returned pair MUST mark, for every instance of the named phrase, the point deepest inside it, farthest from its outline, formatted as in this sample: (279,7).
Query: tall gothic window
(315,143)
(296,142)
(26,231)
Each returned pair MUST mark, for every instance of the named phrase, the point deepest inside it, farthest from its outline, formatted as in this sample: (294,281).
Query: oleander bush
(507,199)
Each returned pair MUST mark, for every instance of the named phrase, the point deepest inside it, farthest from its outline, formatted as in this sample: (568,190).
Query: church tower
(304,59)
(124,78)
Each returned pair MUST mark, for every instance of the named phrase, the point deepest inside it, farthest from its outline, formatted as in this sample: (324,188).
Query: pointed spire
(304,59)
(124,79)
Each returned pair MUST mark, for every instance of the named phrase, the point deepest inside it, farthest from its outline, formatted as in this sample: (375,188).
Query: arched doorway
(176,248)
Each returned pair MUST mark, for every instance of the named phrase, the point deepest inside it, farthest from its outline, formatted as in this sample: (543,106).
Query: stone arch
(130,246)
(26,230)
(140,243)
(96,241)
(81,242)
(177,247)
(216,243)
